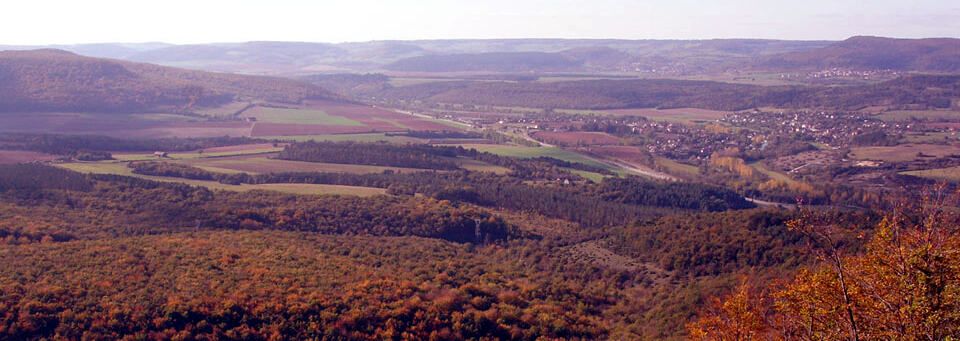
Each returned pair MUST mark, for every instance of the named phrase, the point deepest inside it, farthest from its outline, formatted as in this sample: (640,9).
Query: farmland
(909,115)
(532,152)
(575,138)
(681,115)
(950,174)
(314,118)
(121,125)
(904,152)
(297,116)
(362,137)
(262,164)
(117,168)
(20,156)
(248,149)
(325,117)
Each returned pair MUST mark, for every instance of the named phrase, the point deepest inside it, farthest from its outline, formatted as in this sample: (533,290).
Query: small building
(160,154)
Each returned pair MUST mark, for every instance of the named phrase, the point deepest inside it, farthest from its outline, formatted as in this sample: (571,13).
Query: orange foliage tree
(905,285)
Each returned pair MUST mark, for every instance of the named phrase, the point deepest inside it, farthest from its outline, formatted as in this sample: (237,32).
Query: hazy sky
(199,21)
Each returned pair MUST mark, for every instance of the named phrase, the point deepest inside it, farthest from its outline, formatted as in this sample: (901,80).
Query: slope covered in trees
(54,80)
(493,61)
(904,285)
(913,91)
(873,53)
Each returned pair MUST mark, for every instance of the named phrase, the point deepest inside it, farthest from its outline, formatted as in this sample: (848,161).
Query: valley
(521,189)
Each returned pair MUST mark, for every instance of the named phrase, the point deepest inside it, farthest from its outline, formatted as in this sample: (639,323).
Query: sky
(42,22)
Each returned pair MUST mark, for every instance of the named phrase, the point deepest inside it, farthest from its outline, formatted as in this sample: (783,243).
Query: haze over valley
(588,184)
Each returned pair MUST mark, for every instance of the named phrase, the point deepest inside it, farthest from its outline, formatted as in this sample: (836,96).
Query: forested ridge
(910,91)
(54,80)
(445,254)
(140,231)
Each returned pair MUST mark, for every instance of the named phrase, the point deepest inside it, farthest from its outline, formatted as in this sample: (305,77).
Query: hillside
(495,61)
(914,91)
(55,80)
(300,58)
(870,53)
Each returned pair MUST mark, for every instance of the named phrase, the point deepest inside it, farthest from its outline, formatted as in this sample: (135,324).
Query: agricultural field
(120,168)
(326,117)
(950,174)
(248,149)
(363,137)
(575,138)
(775,175)
(681,115)
(677,169)
(316,118)
(929,137)
(629,154)
(150,125)
(910,115)
(297,116)
(21,156)
(903,152)
(260,164)
(532,152)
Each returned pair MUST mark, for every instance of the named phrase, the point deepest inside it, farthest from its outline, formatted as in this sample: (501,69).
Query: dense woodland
(71,145)
(54,80)
(914,91)
(534,288)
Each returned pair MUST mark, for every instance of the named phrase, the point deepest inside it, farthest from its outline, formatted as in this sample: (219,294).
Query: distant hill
(656,58)
(913,92)
(299,58)
(250,58)
(55,80)
(492,61)
(870,53)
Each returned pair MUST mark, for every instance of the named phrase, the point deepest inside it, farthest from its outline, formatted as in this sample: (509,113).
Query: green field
(365,137)
(950,174)
(532,152)
(193,154)
(298,116)
(903,152)
(261,165)
(907,115)
(775,175)
(595,177)
(677,169)
(932,137)
(120,168)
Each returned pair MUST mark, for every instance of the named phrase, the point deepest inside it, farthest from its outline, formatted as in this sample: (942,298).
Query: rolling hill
(910,91)
(493,61)
(580,55)
(56,80)
(869,53)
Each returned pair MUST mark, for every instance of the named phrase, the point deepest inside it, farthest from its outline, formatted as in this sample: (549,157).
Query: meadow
(950,174)
(679,115)
(909,115)
(903,152)
(120,168)
(575,138)
(20,156)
